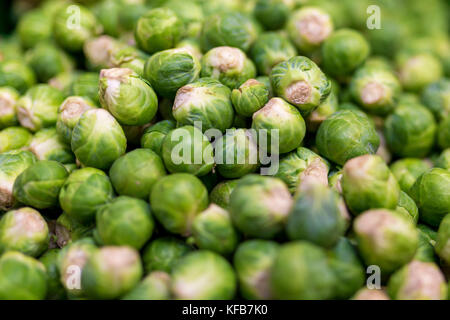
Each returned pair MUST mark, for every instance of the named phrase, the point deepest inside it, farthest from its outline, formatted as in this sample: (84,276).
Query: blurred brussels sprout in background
(443,240)
(251,96)
(55,290)
(443,161)
(221,193)
(163,254)
(16,74)
(8,109)
(407,170)
(407,207)
(46,145)
(86,85)
(34,27)
(190,13)
(131,58)
(436,96)
(370,294)
(14,138)
(427,241)
(325,109)
(443,133)
(154,135)
(155,286)
(99,51)
(273,14)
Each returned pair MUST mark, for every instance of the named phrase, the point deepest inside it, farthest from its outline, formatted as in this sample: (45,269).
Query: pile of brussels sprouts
(97,97)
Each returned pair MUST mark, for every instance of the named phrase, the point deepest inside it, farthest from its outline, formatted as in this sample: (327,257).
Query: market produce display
(225,149)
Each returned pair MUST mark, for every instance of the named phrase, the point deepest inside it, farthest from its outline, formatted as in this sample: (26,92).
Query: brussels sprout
(67,230)
(345,135)
(206,101)
(125,221)
(16,74)
(99,51)
(14,138)
(176,199)
(443,240)
(155,286)
(386,239)
(259,206)
(367,183)
(83,192)
(344,51)
(158,29)
(301,272)
(407,207)
(69,113)
(73,25)
(23,230)
(443,137)
(318,215)
(153,136)
(270,49)
(8,112)
(127,97)
(251,96)
(63,82)
(427,241)
(436,97)
(21,277)
(203,275)
(443,161)
(192,45)
(169,70)
(34,27)
(370,294)
(46,145)
(273,14)
(86,85)
(221,193)
(279,118)
(98,139)
(111,272)
(236,153)
(131,58)
(418,281)
(300,82)
(186,149)
(131,11)
(38,108)
(430,192)
(234,29)
(163,254)
(411,69)
(40,183)
(107,14)
(190,12)
(55,290)
(407,170)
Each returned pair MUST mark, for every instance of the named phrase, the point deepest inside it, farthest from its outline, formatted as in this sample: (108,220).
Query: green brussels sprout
(203,275)
(169,70)
(10,48)
(206,101)
(427,242)
(345,135)
(301,272)
(309,27)
(98,139)
(34,27)
(418,281)
(430,192)
(127,97)
(162,254)
(411,69)
(39,185)
(407,207)
(55,290)
(443,136)
(386,239)
(190,12)
(8,112)
(158,29)
(14,138)
(367,183)
(131,58)
(251,96)
(69,113)
(135,173)
(155,286)
(375,89)
(318,215)
(176,199)
(407,170)
(443,161)
(186,149)
(85,191)
(24,230)
(46,145)
(228,65)
(436,96)
(443,240)
(99,51)
(344,51)
(270,49)
(192,45)
(253,261)
(125,221)
(221,193)
(131,11)
(410,131)
(111,272)
(12,164)
(107,14)
(300,82)
(233,29)
(260,206)
(153,136)
(86,85)
(213,230)
(273,14)
(16,74)
(21,277)
(38,108)
(236,153)
(73,25)
(283,124)
(63,82)
(370,294)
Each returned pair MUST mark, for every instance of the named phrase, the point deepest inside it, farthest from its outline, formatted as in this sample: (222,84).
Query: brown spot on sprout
(99,50)
(299,92)
(314,26)
(372,93)
(226,58)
